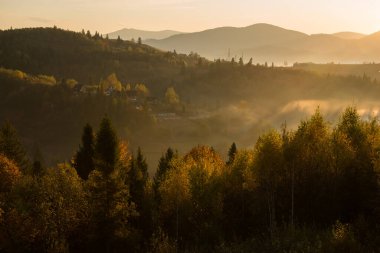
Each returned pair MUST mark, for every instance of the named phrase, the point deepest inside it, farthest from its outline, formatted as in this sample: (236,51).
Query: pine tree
(231,154)
(84,158)
(249,62)
(137,178)
(163,167)
(106,148)
(10,146)
(241,62)
(139,41)
(140,194)
(142,165)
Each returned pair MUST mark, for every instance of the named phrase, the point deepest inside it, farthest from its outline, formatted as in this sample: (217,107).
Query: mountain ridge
(227,42)
(132,33)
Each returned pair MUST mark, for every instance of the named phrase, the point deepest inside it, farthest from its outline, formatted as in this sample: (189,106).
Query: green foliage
(110,211)
(171,96)
(43,213)
(84,158)
(142,89)
(11,147)
(111,82)
(288,194)
(164,166)
(231,153)
(138,177)
(141,195)
(9,174)
(106,148)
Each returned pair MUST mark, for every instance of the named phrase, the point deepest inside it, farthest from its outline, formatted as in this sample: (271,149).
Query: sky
(104,16)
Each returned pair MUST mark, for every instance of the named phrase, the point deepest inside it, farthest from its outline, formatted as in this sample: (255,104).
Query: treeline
(313,189)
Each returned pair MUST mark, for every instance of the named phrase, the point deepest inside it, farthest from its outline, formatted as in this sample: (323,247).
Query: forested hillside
(55,81)
(86,57)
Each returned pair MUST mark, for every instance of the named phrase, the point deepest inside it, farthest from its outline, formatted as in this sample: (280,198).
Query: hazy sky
(309,16)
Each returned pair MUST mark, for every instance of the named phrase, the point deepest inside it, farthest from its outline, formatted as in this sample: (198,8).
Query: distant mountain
(215,43)
(268,43)
(349,35)
(128,34)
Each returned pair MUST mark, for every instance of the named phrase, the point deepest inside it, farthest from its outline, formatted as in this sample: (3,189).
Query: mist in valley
(189,126)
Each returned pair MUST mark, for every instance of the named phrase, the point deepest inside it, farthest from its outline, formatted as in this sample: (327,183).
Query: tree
(163,167)
(269,168)
(249,62)
(111,212)
(241,210)
(106,148)
(63,206)
(9,174)
(96,35)
(142,90)
(171,96)
(108,191)
(205,167)
(84,158)
(141,195)
(139,41)
(310,165)
(111,82)
(44,213)
(11,147)
(175,204)
(231,153)
(138,177)
(241,62)
(357,173)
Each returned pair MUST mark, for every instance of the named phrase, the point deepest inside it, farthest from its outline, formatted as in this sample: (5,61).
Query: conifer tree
(163,167)
(106,148)
(231,153)
(138,176)
(241,62)
(84,158)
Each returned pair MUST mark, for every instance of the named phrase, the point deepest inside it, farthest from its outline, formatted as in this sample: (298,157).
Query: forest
(109,145)
(313,189)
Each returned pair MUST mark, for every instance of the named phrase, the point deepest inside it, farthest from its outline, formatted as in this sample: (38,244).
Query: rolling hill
(129,34)
(215,43)
(349,35)
(66,54)
(268,43)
